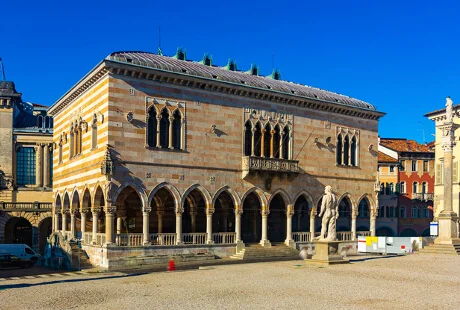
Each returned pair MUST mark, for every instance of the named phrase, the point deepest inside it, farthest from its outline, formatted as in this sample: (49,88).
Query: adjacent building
(406,173)
(26,156)
(161,155)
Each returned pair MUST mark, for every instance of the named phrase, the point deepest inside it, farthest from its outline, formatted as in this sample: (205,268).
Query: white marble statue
(449,112)
(329,213)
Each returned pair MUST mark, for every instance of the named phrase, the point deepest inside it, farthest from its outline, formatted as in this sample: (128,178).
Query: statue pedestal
(447,228)
(327,252)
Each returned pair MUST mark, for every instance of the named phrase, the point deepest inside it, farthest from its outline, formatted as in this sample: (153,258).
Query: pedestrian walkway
(50,275)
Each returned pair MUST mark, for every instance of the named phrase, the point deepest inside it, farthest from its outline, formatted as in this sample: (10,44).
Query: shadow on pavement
(25,285)
(372,258)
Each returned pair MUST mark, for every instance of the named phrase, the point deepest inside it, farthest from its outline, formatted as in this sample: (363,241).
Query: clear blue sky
(401,56)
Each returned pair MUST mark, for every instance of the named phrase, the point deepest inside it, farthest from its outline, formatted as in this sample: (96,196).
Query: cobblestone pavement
(418,281)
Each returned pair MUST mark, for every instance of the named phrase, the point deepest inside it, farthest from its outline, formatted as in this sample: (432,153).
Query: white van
(23,251)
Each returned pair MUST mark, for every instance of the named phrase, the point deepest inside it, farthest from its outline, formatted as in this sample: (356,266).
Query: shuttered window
(438,174)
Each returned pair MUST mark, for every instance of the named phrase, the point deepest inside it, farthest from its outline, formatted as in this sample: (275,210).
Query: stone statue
(330,213)
(449,112)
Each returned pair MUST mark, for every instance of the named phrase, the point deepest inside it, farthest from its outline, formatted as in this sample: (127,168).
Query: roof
(404,145)
(441,111)
(384,158)
(198,69)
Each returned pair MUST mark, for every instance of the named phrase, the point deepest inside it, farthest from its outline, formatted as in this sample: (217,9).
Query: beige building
(162,155)
(26,137)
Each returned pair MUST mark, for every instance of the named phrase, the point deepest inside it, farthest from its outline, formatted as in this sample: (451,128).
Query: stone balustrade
(363,233)
(87,237)
(132,239)
(163,239)
(194,238)
(301,236)
(224,238)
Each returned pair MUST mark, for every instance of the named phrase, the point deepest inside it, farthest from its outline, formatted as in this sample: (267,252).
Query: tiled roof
(404,145)
(384,158)
(186,67)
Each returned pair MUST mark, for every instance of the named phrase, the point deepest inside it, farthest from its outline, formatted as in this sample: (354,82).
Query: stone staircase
(258,252)
(450,249)
(84,259)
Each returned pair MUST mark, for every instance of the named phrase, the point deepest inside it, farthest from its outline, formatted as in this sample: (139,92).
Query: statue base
(327,252)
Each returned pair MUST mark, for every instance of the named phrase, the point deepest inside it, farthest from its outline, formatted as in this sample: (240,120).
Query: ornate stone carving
(110,209)
(130,116)
(290,210)
(257,164)
(179,210)
(329,213)
(107,165)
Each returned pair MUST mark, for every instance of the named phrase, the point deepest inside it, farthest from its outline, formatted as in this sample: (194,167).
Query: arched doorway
(194,216)
(344,220)
(129,212)
(408,232)
(223,219)
(384,232)
(277,219)
(65,213)
(251,220)
(363,219)
(162,218)
(44,230)
(301,217)
(19,230)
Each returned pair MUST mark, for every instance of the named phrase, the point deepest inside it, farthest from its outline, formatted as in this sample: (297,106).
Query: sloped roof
(198,69)
(404,145)
(384,158)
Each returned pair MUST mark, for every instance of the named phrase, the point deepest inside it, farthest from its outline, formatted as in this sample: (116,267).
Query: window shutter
(398,188)
(455,172)
(438,174)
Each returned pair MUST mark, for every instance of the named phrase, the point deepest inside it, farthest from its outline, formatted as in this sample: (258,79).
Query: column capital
(290,210)
(210,211)
(265,212)
(179,210)
(84,210)
(110,209)
(148,210)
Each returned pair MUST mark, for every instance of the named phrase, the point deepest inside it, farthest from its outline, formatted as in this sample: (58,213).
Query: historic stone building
(162,155)
(26,156)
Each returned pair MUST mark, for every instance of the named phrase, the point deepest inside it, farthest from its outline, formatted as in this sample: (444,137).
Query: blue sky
(401,56)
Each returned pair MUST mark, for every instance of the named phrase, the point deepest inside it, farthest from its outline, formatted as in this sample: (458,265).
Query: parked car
(10,261)
(22,251)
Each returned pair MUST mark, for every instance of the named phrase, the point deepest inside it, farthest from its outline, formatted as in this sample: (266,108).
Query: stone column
(281,145)
(83,223)
(262,143)
(95,221)
(160,221)
(56,221)
(145,226)
(209,213)
(289,214)
(158,130)
(373,221)
(264,240)
(179,225)
(119,224)
(64,221)
(72,223)
(272,138)
(354,213)
(312,223)
(447,218)
(38,165)
(238,213)
(253,143)
(171,120)
(46,166)
(109,221)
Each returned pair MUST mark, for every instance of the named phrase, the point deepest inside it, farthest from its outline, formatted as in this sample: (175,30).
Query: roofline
(441,111)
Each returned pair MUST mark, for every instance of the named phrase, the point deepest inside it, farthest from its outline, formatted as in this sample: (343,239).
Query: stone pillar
(95,221)
(272,138)
(447,218)
(56,221)
(238,213)
(179,225)
(253,143)
(354,213)
(171,120)
(38,165)
(373,221)
(262,143)
(209,213)
(72,223)
(160,221)
(83,223)
(119,224)
(46,166)
(158,130)
(64,221)
(109,221)
(312,223)
(289,214)
(264,240)
(281,145)
(145,226)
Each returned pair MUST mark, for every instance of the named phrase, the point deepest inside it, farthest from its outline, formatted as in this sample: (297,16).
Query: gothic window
(60,150)
(276,142)
(339,150)
(71,142)
(346,150)
(152,127)
(25,166)
(267,138)
(164,129)
(286,141)
(353,152)
(247,138)
(257,138)
(94,132)
(177,130)
(363,209)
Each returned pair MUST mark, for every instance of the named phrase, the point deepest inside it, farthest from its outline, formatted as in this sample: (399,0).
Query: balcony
(422,196)
(269,166)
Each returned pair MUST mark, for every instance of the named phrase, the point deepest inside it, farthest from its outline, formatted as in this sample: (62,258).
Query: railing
(344,235)
(301,236)
(163,239)
(261,164)
(32,206)
(194,238)
(87,237)
(100,238)
(224,238)
(363,233)
(129,239)
(422,196)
